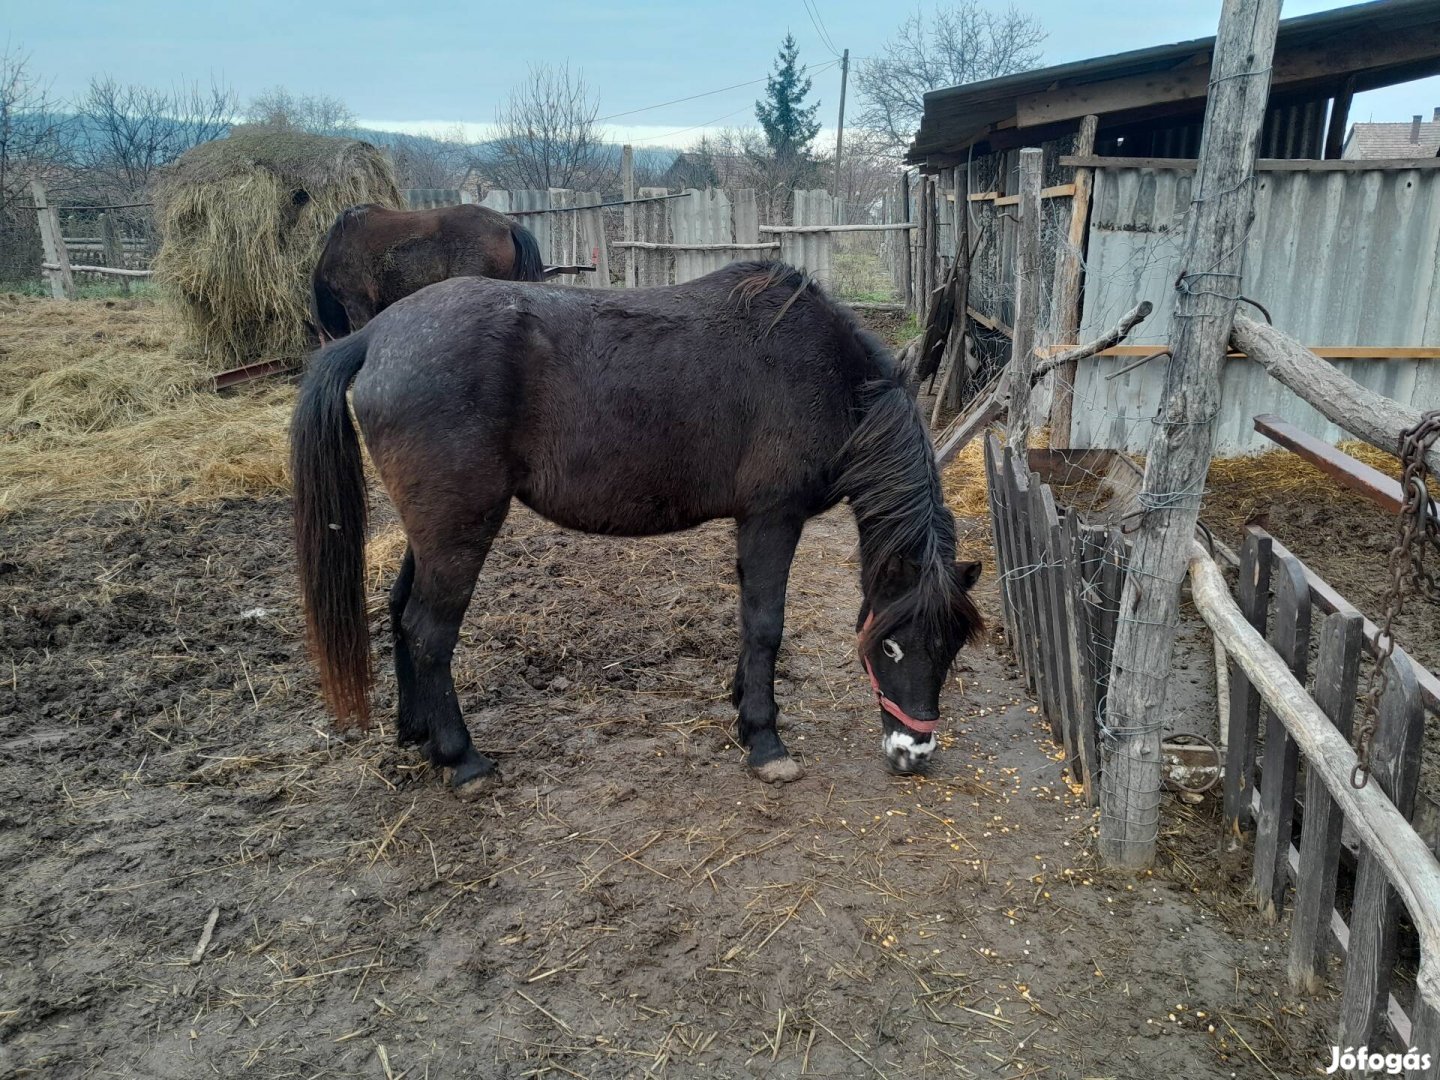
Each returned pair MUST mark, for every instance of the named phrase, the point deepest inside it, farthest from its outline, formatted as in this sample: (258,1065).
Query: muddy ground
(628,903)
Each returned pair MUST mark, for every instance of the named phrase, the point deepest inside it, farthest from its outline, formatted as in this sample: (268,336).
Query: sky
(430,65)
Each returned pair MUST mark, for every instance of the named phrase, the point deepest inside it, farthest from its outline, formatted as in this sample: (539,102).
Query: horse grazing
(744,394)
(374,256)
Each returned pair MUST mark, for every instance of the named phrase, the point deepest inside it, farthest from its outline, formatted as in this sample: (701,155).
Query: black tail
(528,265)
(329,515)
(327,313)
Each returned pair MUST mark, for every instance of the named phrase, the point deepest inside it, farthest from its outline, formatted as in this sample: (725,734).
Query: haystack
(242,220)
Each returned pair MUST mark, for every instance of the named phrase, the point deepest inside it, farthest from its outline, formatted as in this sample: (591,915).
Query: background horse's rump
(374,256)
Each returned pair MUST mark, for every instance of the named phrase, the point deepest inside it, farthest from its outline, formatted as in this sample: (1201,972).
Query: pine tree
(789,124)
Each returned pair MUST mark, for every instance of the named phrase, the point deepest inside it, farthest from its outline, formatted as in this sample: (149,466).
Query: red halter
(920,727)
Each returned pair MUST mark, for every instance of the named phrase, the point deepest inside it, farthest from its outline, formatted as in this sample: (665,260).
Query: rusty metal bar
(249,372)
(1356,475)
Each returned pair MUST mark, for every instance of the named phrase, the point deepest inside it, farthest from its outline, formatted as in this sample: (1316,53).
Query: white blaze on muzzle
(906,750)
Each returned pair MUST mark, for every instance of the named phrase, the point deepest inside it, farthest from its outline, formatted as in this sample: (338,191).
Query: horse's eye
(893,650)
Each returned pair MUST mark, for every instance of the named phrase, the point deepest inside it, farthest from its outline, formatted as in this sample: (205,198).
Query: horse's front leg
(767,546)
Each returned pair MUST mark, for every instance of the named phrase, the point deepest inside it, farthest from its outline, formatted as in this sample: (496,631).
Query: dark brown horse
(744,394)
(374,256)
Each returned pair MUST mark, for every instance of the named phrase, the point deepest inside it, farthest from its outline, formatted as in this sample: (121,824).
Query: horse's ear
(969,573)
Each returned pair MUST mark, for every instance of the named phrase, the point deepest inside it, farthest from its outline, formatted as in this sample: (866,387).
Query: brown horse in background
(374,256)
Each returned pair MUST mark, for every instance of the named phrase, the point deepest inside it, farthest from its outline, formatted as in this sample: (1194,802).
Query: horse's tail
(327,313)
(329,516)
(528,265)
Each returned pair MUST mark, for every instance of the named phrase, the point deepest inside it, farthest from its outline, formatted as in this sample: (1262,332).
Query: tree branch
(1113,336)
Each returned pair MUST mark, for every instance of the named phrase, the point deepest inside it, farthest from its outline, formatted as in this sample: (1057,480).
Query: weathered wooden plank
(1064,637)
(1110,584)
(1065,293)
(1183,435)
(1025,577)
(1045,630)
(1261,165)
(1082,667)
(1425,1037)
(1027,297)
(1374,915)
(1243,735)
(57,259)
(1023,640)
(999,525)
(1337,673)
(1378,824)
(1290,637)
(1057,661)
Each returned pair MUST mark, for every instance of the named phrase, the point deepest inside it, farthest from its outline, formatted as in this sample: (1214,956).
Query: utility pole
(840,130)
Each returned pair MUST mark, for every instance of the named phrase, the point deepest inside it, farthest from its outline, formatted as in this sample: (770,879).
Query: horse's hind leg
(767,546)
(445,571)
(412,727)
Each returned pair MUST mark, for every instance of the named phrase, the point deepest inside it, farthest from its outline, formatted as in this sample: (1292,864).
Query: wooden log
(1378,824)
(57,260)
(1243,736)
(1374,913)
(1377,419)
(1042,518)
(1027,297)
(1290,637)
(1337,673)
(1184,430)
(109,271)
(1065,296)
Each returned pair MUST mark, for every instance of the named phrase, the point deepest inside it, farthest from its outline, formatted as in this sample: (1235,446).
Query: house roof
(1392,141)
(1377,44)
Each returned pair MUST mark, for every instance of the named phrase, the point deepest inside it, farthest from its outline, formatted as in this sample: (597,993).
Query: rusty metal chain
(1418,528)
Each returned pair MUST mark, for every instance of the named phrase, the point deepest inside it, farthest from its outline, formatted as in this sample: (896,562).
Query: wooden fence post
(1184,435)
(1337,671)
(1291,640)
(1254,599)
(114,248)
(627,192)
(1027,299)
(1065,297)
(62,281)
(907,271)
(1374,918)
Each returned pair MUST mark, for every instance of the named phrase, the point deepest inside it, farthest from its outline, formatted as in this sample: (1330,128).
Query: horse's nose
(906,752)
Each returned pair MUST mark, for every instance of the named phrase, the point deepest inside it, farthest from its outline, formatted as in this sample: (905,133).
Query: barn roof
(1375,44)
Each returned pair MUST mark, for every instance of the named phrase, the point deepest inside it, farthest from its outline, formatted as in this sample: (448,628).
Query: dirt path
(629,902)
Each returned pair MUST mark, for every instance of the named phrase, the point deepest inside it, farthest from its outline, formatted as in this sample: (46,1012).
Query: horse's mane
(888,472)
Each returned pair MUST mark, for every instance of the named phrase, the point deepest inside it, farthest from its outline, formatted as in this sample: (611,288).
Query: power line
(676,101)
(813,10)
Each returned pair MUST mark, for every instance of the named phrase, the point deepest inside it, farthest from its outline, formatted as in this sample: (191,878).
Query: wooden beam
(1355,53)
(1065,297)
(1184,432)
(1377,419)
(1027,297)
(1339,117)
(989,323)
(57,259)
(1263,165)
(1380,489)
(1059,191)
(893,227)
(983,411)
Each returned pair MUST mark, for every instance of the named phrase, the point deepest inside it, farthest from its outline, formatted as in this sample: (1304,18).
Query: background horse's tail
(528,265)
(329,517)
(327,313)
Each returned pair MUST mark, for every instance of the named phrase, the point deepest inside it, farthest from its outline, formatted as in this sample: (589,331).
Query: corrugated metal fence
(1338,257)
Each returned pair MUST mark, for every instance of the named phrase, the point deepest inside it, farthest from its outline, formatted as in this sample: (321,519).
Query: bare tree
(32,131)
(547,136)
(430,160)
(127,132)
(319,114)
(961,44)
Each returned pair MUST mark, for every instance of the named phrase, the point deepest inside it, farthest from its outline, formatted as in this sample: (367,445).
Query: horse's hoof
(474,776)
(781,770)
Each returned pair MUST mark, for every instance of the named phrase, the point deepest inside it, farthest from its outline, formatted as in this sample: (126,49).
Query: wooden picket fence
(1060,588)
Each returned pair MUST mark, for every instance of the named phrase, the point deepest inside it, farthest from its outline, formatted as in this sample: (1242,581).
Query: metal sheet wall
(1338,257)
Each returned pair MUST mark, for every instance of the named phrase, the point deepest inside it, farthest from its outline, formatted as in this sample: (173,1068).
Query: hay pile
(242,220)
(100,401)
